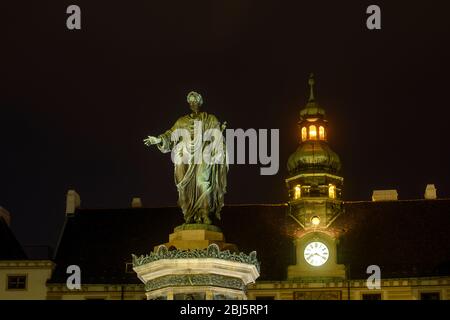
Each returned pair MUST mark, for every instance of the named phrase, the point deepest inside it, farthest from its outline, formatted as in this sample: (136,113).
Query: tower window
(304,134)
(332,191)
(321,133)
(17,282)
(312,132)
(297,192)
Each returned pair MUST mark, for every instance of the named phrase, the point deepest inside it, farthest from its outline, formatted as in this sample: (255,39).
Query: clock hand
(316,254)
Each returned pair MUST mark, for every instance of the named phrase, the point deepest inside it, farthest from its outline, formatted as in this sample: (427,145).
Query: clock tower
(315,196)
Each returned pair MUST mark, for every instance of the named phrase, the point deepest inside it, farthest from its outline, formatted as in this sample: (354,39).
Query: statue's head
(195,100)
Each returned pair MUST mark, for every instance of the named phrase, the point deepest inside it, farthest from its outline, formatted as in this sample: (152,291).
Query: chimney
(430,192)
(5,215)
(73,202)
(136,203)
(384,195)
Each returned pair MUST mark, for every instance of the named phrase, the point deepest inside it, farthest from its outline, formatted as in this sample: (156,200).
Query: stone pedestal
(197,236)
(196,264)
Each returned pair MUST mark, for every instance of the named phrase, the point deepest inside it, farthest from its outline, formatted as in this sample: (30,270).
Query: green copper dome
(313,156)
(311,109)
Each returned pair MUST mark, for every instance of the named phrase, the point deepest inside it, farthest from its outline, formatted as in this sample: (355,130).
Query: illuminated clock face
(316,253)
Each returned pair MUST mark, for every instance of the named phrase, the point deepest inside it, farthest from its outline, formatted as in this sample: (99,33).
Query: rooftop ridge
(395,201)
(281,204)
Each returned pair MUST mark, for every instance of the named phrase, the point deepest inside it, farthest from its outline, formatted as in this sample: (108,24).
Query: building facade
(315,246)
(20,277)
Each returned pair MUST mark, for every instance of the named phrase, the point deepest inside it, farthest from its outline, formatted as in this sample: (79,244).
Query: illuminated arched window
(304,134)
(332,191)
(312,132)
(297,192)
(321,133)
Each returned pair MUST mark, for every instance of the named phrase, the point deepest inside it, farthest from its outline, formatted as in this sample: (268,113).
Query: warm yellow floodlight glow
(304,137)
(313,132)
(315,220)
(298,192)
(332,191)
(321,133)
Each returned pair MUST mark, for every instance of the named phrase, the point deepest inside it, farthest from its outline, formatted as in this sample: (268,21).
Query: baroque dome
(313,156)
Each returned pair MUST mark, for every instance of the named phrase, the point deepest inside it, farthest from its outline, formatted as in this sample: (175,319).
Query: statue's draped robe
(201,186)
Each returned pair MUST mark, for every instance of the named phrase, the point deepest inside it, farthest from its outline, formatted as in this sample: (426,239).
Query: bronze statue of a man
(200,162)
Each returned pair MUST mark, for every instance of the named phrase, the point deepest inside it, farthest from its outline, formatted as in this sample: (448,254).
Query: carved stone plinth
(197,274)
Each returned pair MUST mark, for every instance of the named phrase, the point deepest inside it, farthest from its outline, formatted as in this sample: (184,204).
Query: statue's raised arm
(150,140)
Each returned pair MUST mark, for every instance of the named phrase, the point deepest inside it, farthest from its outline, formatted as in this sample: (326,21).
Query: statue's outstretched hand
(150,140)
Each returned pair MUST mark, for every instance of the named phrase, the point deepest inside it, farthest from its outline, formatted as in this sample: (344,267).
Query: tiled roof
(405,238)
(10,248)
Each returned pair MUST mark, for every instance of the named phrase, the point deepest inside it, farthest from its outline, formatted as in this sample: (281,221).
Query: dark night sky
(75,105)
